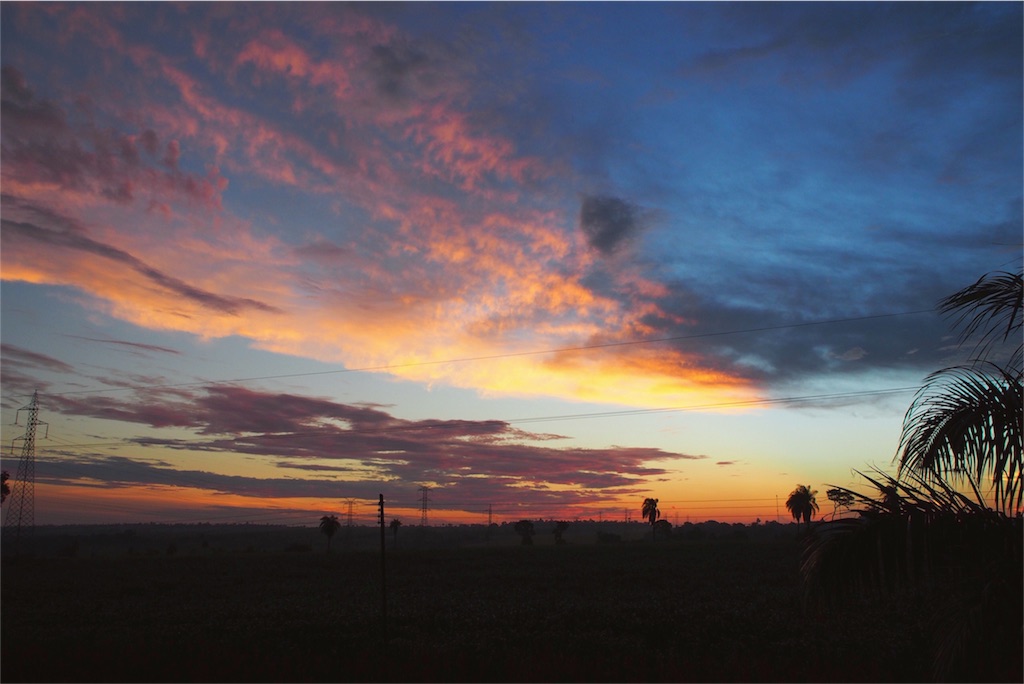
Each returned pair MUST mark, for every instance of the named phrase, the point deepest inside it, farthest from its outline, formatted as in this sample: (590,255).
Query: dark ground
(678,610)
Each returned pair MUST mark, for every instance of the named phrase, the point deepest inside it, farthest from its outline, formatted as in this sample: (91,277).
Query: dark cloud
(325,252)
(41,143)
(19,108)
(836,43)
(119,471)
(20,373)
(232,410)
(156,414)
(608,222)
(392,68)
(125,343)
(149,141)
(19,386)
(114,472)
(25,357)
(172,155)
(773,345)
(488,457)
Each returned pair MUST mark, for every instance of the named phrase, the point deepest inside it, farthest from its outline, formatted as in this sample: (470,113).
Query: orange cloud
(452,263)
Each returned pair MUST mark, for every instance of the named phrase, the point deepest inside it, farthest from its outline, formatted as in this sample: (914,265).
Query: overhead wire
(196,482)
(504,355)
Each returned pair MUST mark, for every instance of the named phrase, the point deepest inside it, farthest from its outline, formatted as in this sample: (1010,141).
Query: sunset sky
(261,260)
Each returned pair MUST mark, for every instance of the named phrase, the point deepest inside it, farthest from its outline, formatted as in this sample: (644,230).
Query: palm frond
(965,422)
(890,544)
(992,305)
(919,536)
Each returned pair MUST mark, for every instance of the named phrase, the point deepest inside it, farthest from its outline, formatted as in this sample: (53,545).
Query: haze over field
(262,259)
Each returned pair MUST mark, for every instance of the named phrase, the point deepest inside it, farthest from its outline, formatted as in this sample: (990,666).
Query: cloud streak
(15,231)
(355,445)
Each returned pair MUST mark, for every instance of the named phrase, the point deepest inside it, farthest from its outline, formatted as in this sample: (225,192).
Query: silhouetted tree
(524,528)
(651,513)
(329,524)
(965,422)
(560,527)
(922,531)
(395,524)
(840,498)
(665,527)
(5,489)
(925,538)
(802,504)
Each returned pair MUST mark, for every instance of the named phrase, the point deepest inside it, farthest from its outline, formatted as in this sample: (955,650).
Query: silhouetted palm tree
(802,504)
(524,528)
(395,524)
(923,537)
(964,425)
(329,524)
(989,312)
(963,552)
(650,513)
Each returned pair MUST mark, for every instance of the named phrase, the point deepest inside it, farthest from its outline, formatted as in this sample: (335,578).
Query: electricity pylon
(21,511)
(423,507)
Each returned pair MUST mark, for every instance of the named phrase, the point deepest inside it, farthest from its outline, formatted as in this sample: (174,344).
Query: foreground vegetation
(679,610)
(948,526)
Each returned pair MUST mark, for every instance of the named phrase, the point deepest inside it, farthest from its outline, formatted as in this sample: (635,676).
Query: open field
(682,610)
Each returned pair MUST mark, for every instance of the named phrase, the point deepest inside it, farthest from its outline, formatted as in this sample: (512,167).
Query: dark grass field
(694,611)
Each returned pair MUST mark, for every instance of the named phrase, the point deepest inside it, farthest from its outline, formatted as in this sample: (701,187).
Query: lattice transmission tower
(20,520)
(423,505)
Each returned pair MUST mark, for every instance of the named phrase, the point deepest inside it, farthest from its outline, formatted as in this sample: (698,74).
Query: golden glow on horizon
(93,503)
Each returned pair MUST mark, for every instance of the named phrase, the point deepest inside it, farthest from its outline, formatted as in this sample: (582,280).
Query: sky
(266,262)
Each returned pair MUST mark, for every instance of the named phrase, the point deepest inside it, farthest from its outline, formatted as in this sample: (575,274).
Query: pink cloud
(451,260)
(82,246)
(274,52)
(44,149)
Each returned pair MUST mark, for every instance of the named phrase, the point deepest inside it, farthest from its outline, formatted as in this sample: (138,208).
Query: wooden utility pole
(383,578)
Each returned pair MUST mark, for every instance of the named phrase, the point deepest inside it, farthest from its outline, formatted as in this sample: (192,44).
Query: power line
(505,355)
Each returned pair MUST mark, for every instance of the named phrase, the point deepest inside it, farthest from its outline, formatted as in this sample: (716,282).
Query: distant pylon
(423,505)
(348,527)
(20,518)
